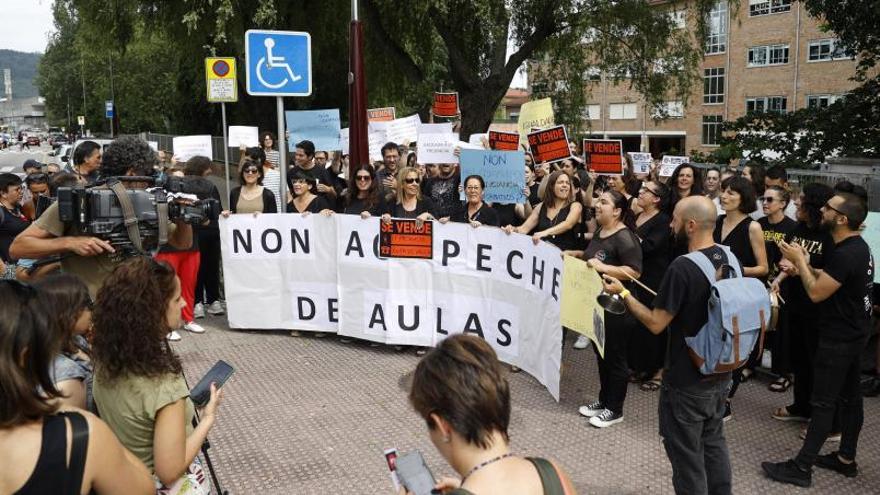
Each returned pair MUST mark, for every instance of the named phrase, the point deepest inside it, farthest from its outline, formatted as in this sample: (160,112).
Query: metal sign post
(226,153)
(282,150)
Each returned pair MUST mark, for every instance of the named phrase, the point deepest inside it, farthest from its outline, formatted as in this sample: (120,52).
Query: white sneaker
(216,309)
(582,342)
(606,418)
(193,327)
(591,409)
(173,336)
(199,310)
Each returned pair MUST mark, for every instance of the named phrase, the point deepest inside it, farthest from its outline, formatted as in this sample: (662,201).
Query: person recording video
(92,258)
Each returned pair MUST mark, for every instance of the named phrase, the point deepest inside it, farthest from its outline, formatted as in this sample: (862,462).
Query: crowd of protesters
(98,352)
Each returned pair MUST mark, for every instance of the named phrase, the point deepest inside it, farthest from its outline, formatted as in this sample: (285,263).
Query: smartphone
(391,460)
(414,473)
(218,374)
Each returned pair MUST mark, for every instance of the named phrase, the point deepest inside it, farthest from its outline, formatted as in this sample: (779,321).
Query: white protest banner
(641,162)
(404,129)
(377,136)
(670,163)
(321,127)
(343,140)
(243,135)
(436,144)
(186,147)
(323,274)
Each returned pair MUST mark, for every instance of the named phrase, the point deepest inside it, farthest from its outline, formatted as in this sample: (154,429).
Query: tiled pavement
(308,415)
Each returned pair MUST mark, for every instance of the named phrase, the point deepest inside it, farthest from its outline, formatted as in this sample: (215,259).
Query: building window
(712,130)
(824,50)
(671,109)
(622,111)
(762,56)
(767,104)
(716,25)
(593,74)
(764,7)
(821,101)
(713,85)
(678,18)
(592,112)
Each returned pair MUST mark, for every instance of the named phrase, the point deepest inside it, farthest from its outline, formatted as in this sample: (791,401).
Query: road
(13,158)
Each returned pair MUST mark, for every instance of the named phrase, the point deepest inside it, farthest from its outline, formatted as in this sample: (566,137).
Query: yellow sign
(579,310)
(220,79)
(533,115)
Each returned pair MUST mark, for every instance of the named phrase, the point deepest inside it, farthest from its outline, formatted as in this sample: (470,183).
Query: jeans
(693,435)
(613,369)
(837,383)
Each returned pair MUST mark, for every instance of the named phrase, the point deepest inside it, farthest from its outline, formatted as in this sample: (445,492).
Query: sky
(25,25)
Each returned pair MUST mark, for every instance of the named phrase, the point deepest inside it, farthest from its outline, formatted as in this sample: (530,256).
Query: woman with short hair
(475,211)
(251,196)
(461,392)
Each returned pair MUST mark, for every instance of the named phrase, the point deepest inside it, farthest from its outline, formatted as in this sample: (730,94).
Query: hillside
(24,72)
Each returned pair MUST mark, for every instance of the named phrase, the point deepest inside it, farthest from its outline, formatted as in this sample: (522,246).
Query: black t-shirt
(357,206)
(533,194)
(424,205)
(656,246)
(315,206)
(507,215)
(444,194)
(621,248)
(12,223)
(819,246)
(773,233)
(684,293)
(323,175)
(846,315)
(486,215)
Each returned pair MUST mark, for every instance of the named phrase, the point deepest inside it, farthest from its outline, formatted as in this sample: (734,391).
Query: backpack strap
(705,264)
(78,451)
(549,477)
(129,216)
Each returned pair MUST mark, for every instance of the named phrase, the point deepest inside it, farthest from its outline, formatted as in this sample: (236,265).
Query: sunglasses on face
(251,171)
(835,210)
(767,199)
(363,178)
(412,180)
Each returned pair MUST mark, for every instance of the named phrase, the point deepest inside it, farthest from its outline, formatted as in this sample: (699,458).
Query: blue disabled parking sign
(279,63)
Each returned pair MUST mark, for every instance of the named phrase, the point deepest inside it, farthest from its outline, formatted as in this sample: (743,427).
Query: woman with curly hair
(139,385)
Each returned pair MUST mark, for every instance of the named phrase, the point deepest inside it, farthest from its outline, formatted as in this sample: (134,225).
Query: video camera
(97,210)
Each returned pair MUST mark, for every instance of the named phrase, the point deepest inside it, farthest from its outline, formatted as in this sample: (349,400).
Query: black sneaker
(728,414)
(788,472)
(832,461)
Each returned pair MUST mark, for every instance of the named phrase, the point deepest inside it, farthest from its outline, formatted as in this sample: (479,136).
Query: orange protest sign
(549,145)
(384,114)
(604,156)
(404,239)
(503,141)
(445,105)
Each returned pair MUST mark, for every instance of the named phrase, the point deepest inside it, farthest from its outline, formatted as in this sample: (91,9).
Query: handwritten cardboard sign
(536,114)
(384,114)
(404,130)
(604,156)
(549,145)
(186,147)
(436,143)
(377,136)
(404,239)
(579,310)
(503,141)
(445,105)
(670,163)
(641,162)
(318,126)
(502,171)
(243,135)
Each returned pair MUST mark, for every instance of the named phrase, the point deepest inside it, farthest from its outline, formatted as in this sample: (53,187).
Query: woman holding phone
(139,385)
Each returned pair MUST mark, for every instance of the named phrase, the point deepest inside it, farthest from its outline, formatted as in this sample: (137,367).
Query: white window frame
(762,56)
(622,111)
(764,104)
(710,74)
(592,111)
(593,74)
(717,29)
(767,7)
(673,110)
(829,100)
(711,127)
(834,53)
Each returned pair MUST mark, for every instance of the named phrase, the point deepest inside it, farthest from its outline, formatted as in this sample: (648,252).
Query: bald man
(696,448)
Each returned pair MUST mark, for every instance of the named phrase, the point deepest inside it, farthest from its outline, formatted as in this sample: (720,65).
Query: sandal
(780,385)
(783,414)
(651,385)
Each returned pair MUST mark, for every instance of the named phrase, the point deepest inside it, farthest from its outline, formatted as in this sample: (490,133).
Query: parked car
(56,140)
(33,140)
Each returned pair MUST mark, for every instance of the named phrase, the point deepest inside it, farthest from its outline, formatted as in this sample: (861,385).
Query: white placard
(154,145)
(436,144)
(243,135)
(502,288)
(477,139)
(641,162)
(186,147)
(404,129)
(377,137)
(343,140)
(670,163)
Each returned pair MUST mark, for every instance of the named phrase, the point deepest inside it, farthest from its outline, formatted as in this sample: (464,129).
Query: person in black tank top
(744,237)
(556,218)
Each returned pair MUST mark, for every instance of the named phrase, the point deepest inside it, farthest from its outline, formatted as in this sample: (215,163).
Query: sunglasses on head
(412,180)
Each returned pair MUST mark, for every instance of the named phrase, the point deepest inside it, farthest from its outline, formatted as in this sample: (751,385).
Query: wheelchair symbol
(271,63)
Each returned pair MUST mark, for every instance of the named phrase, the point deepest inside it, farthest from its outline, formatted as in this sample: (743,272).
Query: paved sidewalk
(309,415)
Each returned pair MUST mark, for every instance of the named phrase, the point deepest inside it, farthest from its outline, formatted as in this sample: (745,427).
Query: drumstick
(640,284)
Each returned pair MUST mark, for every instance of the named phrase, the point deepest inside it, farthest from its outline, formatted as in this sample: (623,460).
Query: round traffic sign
(220,68)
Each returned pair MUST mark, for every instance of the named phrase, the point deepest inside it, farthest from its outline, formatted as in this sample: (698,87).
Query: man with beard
(443,190)
(844,288)
(691,404)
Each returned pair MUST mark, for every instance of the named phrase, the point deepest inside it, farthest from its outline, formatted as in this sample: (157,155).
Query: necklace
(484,464)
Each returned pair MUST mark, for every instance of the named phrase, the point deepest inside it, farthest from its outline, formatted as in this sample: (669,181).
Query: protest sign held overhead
(318,126)
(436,143)
(536,114)
(670,163)
(549,145)
(641,162)
(403,130)
(344,143)
(502,172)
(377,136)
(384,114)
(445,105)
(186,147)
(503,141)
(406,239)
(243,135)
(604,156)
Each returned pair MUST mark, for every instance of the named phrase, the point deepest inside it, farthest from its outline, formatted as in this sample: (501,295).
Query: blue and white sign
(321,127)
(108,109)
(502,171)
(279,63)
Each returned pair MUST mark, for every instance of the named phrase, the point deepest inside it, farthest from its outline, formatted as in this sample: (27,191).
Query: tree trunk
(478,108)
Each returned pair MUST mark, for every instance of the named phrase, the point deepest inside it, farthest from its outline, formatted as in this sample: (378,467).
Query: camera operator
(91,258)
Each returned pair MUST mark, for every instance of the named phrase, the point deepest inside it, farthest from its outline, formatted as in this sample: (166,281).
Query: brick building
(769,56)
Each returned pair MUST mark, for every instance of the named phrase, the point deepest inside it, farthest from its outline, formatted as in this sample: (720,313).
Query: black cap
(31,163)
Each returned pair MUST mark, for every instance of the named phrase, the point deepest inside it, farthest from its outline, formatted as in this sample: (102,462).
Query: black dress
(567,240)
(424,205)
(317,204)
(486,215)
(737,240)
(779,342)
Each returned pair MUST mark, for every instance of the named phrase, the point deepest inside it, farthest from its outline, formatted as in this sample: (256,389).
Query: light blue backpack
(739,314)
